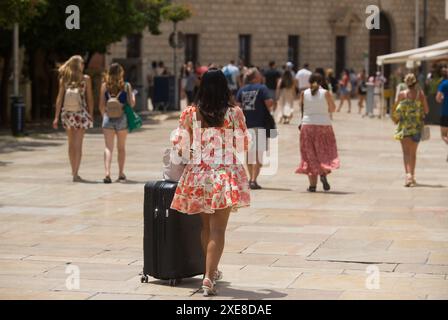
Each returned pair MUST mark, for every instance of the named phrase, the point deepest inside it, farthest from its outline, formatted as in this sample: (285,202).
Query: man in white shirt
(232,73)
(303,78)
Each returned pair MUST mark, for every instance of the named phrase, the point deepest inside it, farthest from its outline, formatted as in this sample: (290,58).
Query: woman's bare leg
(78,142)
(205,232)
(413,157)
(71,150)
(121,146)
(218,225)
(109,138)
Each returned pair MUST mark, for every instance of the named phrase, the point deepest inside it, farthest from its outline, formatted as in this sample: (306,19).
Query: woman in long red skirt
(317,140)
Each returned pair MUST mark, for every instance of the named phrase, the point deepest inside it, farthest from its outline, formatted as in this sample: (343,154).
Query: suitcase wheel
(174,282)
(144,279)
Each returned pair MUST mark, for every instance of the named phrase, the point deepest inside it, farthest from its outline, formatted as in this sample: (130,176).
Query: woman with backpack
(115,94)
(74,104)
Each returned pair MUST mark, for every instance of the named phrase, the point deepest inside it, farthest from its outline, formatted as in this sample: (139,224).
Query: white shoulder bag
(173,170)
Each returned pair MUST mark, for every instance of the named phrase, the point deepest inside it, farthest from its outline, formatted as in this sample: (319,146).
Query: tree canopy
(176,12)
(102,22)
(20,11)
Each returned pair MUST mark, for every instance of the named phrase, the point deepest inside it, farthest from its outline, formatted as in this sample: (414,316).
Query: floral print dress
(215,179)
(78,120)
(410,117)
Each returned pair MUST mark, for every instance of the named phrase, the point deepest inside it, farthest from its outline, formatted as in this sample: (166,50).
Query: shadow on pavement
(277,189)
(133,182)
(90,182)
(336,193)
(224,290)
(15,146)
(437,186)
(130,182)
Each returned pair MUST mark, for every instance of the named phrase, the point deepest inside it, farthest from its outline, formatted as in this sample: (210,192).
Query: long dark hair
(287,80)
(214,97)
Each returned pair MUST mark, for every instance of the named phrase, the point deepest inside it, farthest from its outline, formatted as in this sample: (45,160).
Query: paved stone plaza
(288,245)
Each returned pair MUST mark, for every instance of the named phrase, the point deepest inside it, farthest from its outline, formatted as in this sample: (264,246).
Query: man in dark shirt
(272,75)
(256,102)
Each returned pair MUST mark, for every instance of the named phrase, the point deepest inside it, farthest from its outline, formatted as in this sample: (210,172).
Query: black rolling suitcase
(172,241)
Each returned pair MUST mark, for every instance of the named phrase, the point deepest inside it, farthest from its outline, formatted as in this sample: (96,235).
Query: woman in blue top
(115,93)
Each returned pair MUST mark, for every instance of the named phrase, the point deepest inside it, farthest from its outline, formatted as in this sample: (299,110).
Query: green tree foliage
(176,12)
(102,22)
(152,11)
(20,11)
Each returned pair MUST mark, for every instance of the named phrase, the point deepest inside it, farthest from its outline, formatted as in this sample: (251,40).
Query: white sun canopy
(431,55)
(404,56)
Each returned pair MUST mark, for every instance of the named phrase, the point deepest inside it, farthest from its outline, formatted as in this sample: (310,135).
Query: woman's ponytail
(314,88)
(315,83)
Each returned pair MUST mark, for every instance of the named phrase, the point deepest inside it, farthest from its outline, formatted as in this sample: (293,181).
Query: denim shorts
(117,124)
(416,137)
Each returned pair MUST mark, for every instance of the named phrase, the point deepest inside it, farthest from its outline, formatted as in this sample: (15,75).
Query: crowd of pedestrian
(248,102)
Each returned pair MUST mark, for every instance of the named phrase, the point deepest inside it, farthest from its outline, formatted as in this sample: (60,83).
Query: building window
(340,54)
(293,50)
(245,49)
(134,46)
(191,48)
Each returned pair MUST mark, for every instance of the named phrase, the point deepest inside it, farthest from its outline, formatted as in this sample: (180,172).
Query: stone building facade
(324,33)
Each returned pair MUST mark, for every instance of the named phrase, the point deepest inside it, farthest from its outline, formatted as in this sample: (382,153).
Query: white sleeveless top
(315,110)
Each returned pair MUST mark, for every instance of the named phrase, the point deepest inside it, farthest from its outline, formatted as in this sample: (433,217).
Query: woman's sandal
(409,181)
(77,178)
(122,178)
(312,189)
(208,287)
(107,180)
(217,276)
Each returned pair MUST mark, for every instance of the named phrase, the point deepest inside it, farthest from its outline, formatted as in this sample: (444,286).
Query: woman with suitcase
(115,93)
(214,182)
(74,104)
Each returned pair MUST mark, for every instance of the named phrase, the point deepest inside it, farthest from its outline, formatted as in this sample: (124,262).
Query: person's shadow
(437,186)
(130,182)
(224,290)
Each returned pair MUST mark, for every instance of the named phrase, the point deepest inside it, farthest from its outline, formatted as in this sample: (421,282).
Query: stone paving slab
(288,245)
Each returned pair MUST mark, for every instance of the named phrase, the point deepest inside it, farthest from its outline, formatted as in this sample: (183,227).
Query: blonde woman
(74,104)
(409,116)
(115,93)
